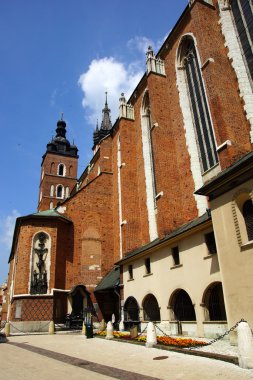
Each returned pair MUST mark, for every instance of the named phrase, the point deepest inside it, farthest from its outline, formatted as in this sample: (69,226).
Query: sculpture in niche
(39,276)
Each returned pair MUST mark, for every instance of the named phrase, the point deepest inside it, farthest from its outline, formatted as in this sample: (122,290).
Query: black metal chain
(26,332)
(158,328)
(211,341)
(225,333)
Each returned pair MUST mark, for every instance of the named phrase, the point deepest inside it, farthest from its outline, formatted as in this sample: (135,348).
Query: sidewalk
(72,356)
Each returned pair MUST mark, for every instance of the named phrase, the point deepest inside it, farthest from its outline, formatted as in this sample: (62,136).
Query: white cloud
(111,75)
(140,44)
(7,225)
(107,74)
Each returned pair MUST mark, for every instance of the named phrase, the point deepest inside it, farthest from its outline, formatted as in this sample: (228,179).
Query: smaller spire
(61,115)
(106,120)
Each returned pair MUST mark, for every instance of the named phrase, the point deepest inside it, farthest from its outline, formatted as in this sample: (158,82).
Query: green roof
(50,213)
(110,281)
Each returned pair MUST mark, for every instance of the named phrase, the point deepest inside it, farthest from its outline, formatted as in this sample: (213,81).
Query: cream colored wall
(194,276)
(236,262)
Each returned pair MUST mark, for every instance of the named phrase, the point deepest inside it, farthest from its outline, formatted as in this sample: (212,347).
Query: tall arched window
(151,308)
(198,103)
(60,191)
(61,169)
(242,11)
(149,169)
(247,212)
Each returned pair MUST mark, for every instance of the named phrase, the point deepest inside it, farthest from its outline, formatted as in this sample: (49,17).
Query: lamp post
(88,322)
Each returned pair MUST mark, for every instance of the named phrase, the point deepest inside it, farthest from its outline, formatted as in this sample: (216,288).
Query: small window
(67,192)
(210,243)
(147,266)
(247,212)
(130,272)
(175,255)
(52,191)
(61,170)
(51,205)
(59,191)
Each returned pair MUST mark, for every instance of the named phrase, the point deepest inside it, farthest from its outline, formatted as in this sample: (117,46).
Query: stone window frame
(250,41)
(239,198)
(233,46)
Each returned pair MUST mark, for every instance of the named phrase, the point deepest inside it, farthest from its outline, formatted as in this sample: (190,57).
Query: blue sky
(61,56)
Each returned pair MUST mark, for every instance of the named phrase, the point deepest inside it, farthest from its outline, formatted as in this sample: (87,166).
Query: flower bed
(162,340)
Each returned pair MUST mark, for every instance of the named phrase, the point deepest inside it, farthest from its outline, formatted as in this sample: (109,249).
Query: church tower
(58,169)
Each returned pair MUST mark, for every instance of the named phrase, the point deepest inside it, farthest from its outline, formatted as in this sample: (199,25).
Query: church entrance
(78,302)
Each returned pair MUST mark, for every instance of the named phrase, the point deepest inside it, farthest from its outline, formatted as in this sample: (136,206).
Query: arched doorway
(131,313)
(214,303)
(78,302)
(151,310)
(131,310)
(182,306)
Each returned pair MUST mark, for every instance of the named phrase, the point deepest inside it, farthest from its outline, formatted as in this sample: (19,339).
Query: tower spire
(106,124)
(106,120)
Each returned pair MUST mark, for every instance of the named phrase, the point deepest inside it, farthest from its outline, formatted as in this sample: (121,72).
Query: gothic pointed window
(199,105)
(149,167)
(242,11)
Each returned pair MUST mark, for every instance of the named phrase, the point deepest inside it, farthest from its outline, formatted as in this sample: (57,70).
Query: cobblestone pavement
(71,356)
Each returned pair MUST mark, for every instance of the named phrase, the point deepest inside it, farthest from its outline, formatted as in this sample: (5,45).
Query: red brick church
(158,176)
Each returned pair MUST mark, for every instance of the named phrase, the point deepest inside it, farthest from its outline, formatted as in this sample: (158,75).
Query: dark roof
(157,242)
(229,178)
(59,144)
(110,281)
